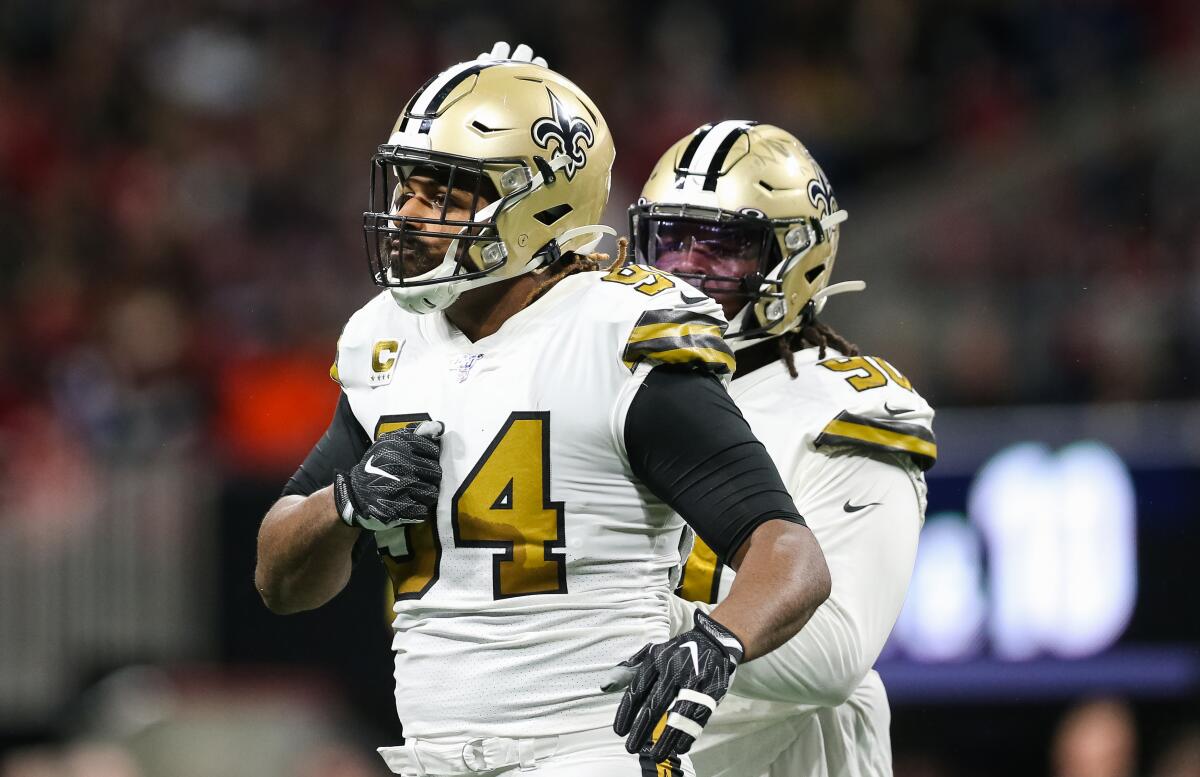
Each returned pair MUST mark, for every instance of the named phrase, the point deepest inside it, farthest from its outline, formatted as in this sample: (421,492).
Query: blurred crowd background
(181,185)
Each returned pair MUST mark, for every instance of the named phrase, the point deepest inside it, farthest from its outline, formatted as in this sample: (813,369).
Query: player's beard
(413,256)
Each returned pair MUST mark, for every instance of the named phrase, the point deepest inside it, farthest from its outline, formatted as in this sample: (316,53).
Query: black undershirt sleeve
(688,442)
(340,448)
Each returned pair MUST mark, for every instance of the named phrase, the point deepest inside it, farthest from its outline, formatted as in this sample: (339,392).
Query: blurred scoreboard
(1059,557)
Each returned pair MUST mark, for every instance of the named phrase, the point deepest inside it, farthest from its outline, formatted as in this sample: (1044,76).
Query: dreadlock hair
(811,334)
(571,263)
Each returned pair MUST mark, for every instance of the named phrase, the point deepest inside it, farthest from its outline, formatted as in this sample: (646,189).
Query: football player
(504,438)
(742,211)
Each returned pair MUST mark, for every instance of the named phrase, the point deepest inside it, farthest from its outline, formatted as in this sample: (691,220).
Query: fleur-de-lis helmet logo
(571,133)
(820,193)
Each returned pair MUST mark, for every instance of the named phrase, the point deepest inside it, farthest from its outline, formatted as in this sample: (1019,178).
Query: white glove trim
(703,699)
(686,725)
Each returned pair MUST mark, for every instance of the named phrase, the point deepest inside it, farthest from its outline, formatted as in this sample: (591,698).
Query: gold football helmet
(752,202)
(523,146)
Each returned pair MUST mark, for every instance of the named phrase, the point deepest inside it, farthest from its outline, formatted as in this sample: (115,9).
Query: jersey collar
(517,323)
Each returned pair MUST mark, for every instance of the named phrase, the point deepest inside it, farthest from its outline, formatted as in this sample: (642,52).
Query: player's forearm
(304,553)
(876,549)
(781,580)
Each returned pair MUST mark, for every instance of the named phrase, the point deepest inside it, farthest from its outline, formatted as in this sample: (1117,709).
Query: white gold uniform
(548,563)
(851,437)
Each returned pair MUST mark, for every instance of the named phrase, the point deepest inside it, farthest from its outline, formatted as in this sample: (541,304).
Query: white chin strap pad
(424,299)
(833,219)
(598,230)
(821,297)
(735,326)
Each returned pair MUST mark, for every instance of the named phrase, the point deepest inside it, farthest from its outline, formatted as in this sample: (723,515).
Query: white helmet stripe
(430,98)
(685,161)
(712,151)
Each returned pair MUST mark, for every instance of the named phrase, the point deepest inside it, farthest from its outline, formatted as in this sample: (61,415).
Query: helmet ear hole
(553,214)
(812,274)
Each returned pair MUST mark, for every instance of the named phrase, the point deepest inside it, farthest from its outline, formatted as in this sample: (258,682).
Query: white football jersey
(548,563)
(860,402)
(865,511)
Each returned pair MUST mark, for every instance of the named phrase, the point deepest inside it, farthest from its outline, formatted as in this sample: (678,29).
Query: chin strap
(538,261)
(742,343)
(433,297)
(833,219)
(736,325)
(599,230)
(819,299)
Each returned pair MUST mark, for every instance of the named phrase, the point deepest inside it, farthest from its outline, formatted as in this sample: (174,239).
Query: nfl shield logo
(461,367)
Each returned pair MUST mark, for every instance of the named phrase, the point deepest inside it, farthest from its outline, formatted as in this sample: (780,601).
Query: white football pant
(593,753)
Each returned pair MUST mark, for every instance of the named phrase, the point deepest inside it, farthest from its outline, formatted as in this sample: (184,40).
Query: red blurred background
(180,195)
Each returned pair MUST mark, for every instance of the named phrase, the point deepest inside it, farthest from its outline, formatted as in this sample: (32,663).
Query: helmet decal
(571,133)
(705,154)
(685,161)
(820,192)
(424,105)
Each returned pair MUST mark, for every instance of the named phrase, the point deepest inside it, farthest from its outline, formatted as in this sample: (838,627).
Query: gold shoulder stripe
(679,316)
(644,332)
(679,337)
(710,353)
(713,359)
(709,344)
(850,429)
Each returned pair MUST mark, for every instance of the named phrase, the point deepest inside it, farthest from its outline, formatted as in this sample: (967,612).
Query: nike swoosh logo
(691,300)
(855,508)
(373,470)
(695,655)
(896,411)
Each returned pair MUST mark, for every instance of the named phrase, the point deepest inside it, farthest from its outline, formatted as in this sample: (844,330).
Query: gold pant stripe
(662,768)
(701,575)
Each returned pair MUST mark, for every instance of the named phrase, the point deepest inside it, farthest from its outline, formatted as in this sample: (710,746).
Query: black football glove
(396,482)
(683,678)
